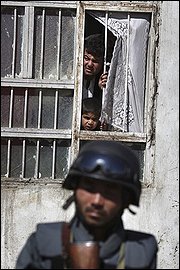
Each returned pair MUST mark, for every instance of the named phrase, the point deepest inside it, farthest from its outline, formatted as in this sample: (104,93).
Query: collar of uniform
(107,247)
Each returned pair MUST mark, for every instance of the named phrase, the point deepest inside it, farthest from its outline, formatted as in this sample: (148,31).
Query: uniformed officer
(105,181)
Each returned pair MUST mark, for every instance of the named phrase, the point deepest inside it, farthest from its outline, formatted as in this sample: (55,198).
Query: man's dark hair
(94,44)
(91,105)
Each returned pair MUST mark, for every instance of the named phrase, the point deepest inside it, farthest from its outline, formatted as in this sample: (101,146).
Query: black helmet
(107,161)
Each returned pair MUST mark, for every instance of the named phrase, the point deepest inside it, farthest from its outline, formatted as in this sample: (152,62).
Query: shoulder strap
(65,239)
(121,260)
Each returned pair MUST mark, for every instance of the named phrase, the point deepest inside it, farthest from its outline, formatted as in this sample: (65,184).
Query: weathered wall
(23,206)
(159,211)
(165,207)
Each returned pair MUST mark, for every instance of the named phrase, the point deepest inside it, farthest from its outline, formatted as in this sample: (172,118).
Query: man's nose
(90,63)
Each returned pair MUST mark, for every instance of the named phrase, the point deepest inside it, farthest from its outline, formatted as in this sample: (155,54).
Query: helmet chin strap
(68,202)
(131,211)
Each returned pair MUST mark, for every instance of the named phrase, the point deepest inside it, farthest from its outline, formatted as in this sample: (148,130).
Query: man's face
(89,121)
(98,202)
(92,65)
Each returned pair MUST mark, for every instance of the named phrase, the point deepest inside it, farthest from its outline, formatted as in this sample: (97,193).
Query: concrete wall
(24,205)
(159,210)
(165,204)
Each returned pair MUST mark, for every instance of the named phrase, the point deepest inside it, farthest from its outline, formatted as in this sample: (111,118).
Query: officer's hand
(103,80)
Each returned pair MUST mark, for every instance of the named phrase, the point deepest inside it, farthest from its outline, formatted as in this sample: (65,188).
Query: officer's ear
(127,203)
(127,199)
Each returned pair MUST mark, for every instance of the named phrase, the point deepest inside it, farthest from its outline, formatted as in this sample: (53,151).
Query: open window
(42,45)
(125,58)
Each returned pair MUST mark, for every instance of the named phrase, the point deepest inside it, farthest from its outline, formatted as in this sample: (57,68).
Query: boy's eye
(94,119)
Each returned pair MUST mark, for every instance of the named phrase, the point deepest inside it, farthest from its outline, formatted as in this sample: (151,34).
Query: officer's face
(98,202)
(92,65)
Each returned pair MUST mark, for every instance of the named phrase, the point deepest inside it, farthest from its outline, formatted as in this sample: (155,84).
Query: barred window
(42,46)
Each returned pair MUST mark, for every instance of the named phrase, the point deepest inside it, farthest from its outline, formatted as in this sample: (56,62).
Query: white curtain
(123,101)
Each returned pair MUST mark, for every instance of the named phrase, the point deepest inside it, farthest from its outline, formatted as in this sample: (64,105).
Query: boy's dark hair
(91,105)
(94,44)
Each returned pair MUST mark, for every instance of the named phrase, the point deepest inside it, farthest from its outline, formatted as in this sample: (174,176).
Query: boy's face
(89,121)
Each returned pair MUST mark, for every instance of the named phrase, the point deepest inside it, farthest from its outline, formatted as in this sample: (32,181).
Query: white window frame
(76,134)
(151,85)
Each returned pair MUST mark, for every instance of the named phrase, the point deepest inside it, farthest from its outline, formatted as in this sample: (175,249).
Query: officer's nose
(98,199)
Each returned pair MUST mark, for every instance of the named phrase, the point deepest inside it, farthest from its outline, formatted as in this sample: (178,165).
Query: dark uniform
(43,249)
(101,161)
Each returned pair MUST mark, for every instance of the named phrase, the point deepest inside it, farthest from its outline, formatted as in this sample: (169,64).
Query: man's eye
(96,62)
(86,57)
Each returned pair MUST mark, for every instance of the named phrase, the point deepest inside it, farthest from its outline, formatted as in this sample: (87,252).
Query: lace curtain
(123,97)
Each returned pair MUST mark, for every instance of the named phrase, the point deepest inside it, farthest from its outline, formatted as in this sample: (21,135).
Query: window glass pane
(11,38)
(64,100)
(45,161)
(56,38)
(18,100)
(7,22)
(139,150)
(33,105)
(16,157)
(3,157)
(51,47)
(5,105)
(20,49)
(64,112)
(30,158)
(37,43)
(48,104)
(18,108)
(67,45)
(62,158)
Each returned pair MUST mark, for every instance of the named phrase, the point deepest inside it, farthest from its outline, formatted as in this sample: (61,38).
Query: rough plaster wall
(22,208)
(166,210)
(159,210)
